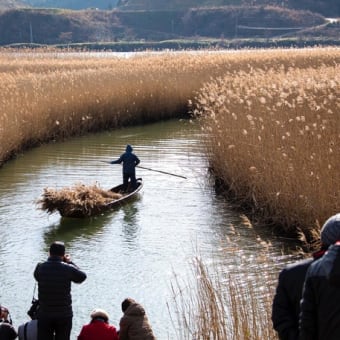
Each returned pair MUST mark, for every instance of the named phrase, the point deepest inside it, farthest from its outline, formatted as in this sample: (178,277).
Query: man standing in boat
(130,161)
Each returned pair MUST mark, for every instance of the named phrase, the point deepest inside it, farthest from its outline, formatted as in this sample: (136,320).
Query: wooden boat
(126,196)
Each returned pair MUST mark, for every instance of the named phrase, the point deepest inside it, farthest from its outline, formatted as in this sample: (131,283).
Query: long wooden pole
(163,172)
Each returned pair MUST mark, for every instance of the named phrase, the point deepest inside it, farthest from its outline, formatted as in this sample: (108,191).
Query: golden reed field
(270,118)
(273,137)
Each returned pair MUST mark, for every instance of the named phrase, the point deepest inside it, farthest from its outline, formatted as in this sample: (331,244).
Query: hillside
(73,4)
(60,26)
(172,4)
(329,8)
(8,4)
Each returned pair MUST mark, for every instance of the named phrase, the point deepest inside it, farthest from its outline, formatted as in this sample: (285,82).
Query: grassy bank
(273,139)
(192,44)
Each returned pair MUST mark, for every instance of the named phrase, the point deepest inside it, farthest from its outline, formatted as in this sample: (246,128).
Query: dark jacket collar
(55,258)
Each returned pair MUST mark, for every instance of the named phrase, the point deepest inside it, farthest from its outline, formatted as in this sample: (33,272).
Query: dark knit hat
(57,248)
(126,304)
(330,231)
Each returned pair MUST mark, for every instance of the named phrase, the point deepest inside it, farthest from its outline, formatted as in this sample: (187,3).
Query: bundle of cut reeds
(78,197)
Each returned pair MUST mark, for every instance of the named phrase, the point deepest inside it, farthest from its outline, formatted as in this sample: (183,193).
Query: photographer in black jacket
(54,279)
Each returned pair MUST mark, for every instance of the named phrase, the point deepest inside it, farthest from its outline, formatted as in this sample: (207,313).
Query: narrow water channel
(133,251)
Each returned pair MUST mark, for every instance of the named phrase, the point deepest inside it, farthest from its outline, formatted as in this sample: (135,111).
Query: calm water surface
(134,250)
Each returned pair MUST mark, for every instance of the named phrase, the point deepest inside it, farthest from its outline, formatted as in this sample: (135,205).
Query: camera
(33,311)
(5,316)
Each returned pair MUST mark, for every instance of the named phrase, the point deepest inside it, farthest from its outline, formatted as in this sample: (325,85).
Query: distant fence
(270,28)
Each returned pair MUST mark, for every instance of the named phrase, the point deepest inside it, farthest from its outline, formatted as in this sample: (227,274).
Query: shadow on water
(71,229)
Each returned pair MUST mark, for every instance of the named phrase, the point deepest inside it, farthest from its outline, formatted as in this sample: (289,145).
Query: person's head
(128,148)
(57,248)
(99,314)
(330,231)
(126,304)
(4,314)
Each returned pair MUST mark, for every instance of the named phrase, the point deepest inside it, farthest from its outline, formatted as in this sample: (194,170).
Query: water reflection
(70,229)
(130,226)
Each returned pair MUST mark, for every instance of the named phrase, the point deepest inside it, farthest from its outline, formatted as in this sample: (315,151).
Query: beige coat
(134,325)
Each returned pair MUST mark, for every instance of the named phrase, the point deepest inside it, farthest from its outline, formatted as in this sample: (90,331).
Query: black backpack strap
(25,331)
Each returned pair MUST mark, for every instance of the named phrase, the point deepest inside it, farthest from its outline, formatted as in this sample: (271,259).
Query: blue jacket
(31,332)
(129,160)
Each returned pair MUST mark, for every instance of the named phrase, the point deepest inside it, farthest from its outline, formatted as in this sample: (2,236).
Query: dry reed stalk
(76,198)
(221,303)
(273,138)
